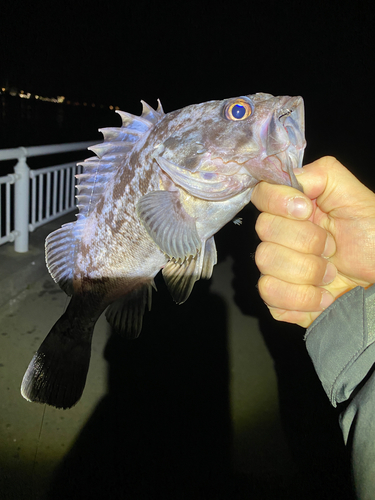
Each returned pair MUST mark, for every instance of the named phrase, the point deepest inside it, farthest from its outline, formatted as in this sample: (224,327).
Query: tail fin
(57,373)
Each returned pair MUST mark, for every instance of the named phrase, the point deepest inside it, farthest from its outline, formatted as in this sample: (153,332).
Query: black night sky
(116,53)
(121,52)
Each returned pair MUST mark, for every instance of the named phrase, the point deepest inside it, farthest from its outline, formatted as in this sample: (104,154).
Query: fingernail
(327,300)
(330,246)
(298,208)
(330,273)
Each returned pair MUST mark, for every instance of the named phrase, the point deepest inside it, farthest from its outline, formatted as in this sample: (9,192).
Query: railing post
(21,204)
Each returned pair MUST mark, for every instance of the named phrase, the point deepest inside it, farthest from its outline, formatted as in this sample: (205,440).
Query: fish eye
(237,110)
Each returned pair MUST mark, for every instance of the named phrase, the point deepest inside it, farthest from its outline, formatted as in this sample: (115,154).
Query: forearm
(341,344)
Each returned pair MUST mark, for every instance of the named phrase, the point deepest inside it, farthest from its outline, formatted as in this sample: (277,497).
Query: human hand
(309,257)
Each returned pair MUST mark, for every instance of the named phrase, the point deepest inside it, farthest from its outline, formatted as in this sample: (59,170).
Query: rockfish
(158,189)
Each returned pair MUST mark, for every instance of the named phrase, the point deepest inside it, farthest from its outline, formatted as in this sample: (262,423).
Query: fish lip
(289,105)
(292,102)
(288,142)
(292,112)
(290,115)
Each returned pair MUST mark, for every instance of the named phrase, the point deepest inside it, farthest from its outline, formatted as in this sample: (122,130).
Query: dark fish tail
(57,373)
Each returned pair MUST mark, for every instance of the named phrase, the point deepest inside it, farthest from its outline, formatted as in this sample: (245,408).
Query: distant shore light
(14,92)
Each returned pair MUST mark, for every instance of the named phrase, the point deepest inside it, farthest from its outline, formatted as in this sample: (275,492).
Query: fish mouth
(286,128)
(286,136)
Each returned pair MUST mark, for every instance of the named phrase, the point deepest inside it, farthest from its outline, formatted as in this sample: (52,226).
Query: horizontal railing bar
(17,153)
(8,238)
(7,179)
(36,224)
(41,171)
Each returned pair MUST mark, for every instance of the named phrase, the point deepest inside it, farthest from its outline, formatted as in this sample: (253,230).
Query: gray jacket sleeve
(341,344)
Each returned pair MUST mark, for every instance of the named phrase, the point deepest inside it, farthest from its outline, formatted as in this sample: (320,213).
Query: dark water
(31,122)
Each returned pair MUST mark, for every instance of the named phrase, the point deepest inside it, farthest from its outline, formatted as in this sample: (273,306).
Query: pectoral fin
(206,185)
(168,224)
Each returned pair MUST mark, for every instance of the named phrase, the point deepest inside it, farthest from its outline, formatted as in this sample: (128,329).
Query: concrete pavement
(212,401)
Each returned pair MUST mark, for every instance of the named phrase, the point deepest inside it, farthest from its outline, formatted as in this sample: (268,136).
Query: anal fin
(125,315)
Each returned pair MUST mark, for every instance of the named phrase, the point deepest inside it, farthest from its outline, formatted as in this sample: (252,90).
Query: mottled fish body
(153,197)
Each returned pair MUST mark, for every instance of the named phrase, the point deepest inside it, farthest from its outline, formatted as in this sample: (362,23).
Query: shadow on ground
(164,429)
(309,421)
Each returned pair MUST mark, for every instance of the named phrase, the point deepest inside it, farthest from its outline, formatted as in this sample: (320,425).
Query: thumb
(332,185)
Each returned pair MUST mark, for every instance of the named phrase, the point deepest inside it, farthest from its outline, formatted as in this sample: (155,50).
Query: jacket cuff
(341,343)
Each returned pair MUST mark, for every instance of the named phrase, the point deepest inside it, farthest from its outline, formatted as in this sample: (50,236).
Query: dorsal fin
(118,142)
(149,112)
(61,245)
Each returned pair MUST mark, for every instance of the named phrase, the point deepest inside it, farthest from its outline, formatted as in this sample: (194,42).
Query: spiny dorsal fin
(97,172)
(149,112)
(118,142)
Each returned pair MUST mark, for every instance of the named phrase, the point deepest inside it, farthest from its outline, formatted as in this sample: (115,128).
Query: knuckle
(291,297)
(262,225)
(259,197)
(262,255)
(259,225)
(262,286)
(268,288)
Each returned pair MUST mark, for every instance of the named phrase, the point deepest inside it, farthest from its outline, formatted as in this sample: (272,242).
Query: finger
(303,319)
(281,200)
(303,298)
(302,236)
(293,267)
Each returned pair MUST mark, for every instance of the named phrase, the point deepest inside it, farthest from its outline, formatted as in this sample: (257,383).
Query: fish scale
(151,199)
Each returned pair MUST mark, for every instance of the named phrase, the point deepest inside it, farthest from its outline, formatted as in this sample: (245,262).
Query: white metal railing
(5,204)
(31,198)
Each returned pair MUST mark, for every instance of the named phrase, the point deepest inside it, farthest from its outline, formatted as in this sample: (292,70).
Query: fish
(152,198)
